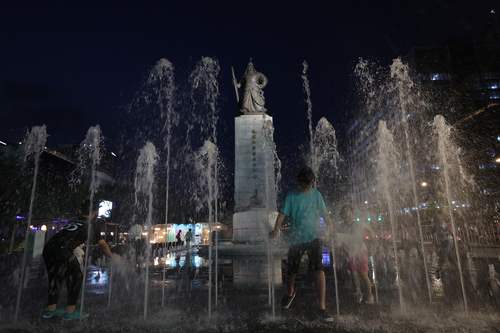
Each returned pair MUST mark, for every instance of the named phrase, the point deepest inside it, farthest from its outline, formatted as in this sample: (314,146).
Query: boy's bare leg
(52,307)
(290,282)
(70,308)
(368,285)
(320,283)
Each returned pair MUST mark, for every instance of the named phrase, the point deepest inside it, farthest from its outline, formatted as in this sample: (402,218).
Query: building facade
(459,80)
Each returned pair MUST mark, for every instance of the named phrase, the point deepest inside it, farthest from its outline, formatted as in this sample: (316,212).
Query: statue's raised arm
(252,84)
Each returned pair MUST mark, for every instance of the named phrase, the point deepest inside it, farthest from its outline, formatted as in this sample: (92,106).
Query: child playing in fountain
(62,264)
(304,205)
(351,239)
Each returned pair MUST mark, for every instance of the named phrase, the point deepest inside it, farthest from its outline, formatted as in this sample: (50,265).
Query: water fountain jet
(35,144)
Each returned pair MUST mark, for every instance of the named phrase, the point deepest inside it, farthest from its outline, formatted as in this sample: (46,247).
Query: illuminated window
(439,76)
(490,153)
(487,165)
(495,75)
(494,95)
(493,85)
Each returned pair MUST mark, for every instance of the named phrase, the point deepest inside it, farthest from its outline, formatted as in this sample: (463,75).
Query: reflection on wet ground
(243,304)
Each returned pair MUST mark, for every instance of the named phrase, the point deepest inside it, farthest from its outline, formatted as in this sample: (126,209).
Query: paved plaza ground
(240,308)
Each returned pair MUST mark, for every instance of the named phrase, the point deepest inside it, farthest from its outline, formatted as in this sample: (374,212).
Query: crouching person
(62,264)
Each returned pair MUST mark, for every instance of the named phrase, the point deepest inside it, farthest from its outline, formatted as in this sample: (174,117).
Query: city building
(459,80)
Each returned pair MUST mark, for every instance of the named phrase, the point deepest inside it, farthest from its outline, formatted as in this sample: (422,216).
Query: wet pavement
(181,304)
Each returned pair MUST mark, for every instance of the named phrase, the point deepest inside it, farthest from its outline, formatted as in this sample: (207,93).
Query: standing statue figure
(256,201)
(252,84)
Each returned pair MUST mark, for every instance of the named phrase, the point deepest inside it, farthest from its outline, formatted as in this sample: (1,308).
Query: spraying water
(367,81)
(206,167)
(269,146)
(325,159)
(90,150)
(204,80)
(324,162)
(307,90)
(271,156)
(204,83)
(35,143)
(161,79)
(144,179)
(443,132)
(388,157)
(324,153)
(270,271)
(404,85)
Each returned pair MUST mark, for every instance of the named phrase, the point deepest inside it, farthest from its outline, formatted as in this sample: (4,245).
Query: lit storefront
(200,232)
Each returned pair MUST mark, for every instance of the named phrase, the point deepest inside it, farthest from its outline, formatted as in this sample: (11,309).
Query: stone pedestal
(255,271)
(253,225)
(253,177)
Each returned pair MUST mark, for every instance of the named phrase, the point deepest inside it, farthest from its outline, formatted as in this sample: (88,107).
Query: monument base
(253,225)
(255,271)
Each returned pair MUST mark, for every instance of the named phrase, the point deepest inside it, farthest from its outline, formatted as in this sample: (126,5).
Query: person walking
(178,238)
(304,205)
(188,238)
(62,264)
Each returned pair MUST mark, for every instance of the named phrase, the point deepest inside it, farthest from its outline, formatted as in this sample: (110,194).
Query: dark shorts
(296,252)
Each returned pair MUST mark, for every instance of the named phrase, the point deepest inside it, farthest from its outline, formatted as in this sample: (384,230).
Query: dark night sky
(71,66)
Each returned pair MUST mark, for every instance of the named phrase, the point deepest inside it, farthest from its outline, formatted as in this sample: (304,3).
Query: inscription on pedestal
(251,154)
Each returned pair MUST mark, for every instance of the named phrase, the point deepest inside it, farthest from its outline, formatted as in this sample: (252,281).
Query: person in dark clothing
(188,238)
(178,238)
(62,264)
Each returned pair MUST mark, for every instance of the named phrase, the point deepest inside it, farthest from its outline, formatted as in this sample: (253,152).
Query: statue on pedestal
(252,84)
(256,201)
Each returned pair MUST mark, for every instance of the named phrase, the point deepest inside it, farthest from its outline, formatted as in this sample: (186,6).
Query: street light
(423,184)
(497,160)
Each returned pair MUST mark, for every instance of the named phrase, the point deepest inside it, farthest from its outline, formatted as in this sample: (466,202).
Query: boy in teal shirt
(304,205)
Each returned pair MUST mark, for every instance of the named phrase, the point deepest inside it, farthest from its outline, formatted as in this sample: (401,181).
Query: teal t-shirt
(304,211)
